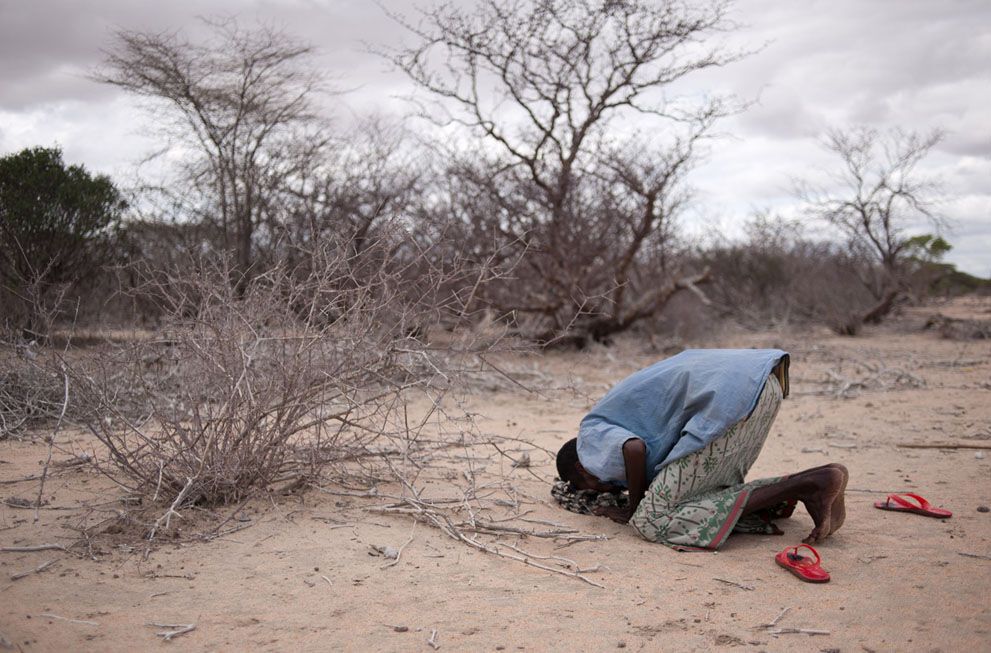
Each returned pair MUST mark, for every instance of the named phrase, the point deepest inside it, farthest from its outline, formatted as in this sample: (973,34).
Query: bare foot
(827,484)
(838,512)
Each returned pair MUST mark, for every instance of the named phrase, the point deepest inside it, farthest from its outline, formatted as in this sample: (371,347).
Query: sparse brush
(30,393)
(265,381)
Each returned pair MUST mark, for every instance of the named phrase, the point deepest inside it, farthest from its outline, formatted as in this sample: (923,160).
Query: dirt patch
(300,572)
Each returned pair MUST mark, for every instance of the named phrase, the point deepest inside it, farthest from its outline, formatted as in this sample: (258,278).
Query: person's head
(567,462)
(570,469)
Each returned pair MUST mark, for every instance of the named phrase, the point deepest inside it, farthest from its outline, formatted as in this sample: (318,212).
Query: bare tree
(875,196)
(368,180)
(239,108)
(557,181)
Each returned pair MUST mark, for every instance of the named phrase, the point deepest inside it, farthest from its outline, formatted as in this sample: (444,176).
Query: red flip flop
(805,568)
(898,503)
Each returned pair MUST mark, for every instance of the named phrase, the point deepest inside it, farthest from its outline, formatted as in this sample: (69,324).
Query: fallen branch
(11,481)
(974,555)
(173,630)
(51,442)
(31,548)
(167,517)
(510,378)
(40,568)
(798,631)
(419,508)
(400,551)
(17,503)
(566,561)
(748,588)
(48,615)
(527,560)
(944,445)
(75,461)
(774,622)
(433,640)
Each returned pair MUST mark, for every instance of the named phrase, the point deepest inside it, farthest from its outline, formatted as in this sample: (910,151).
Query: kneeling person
(681,436)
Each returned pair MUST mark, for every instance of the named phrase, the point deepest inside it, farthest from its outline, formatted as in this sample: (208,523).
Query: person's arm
(635,460)
(635,457)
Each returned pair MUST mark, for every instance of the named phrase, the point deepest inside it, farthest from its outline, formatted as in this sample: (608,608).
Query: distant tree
(876,194)
(779,275)
(558,183)
(58,225)
(239,109)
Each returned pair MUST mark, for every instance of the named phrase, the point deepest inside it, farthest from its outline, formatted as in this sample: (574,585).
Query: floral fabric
(698,500)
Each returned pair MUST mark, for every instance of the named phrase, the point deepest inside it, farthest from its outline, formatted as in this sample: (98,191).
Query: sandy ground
(300,576)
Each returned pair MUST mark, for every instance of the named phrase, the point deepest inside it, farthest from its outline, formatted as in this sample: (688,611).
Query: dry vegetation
(469,473)
(304,332)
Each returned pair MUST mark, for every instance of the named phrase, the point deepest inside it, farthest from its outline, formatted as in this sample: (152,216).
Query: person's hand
(615,513)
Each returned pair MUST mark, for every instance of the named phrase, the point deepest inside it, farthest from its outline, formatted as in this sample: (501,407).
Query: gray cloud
(917,64)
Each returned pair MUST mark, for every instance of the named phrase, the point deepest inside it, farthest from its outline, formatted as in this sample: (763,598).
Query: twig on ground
(525,559)
(167,517)
(414,505)
(523,462)
(798,631)
(18,503)
(49,615)
(511,379)
(433,640)
(31,548)
(748,588)
(545,522)
(566,561)
(944,445)
(400,551)
(11,481)
(774,622)
(974,555)
(75,461)
(371,492)
(51,442)
(173,630)
(869,559)
(40,568)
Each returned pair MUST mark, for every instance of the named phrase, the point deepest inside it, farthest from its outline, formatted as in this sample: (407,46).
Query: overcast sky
(915,64)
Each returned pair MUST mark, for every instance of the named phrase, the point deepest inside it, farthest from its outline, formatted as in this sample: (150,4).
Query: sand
(300,575)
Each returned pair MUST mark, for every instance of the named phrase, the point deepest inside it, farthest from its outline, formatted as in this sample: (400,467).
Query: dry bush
(957,329)
(31,393)
(779,276)
(297,372)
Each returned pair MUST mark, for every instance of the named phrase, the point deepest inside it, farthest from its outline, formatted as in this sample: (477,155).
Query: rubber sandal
(898,503)
(805,568)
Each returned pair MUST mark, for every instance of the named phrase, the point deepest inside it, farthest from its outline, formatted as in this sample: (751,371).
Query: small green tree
(58,225)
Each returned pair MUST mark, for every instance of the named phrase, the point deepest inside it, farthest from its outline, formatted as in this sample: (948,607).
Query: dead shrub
(275,380)
(779,276)
(957,329)
(31,393)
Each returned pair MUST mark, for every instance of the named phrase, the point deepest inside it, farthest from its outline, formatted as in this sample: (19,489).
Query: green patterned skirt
(697,501)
